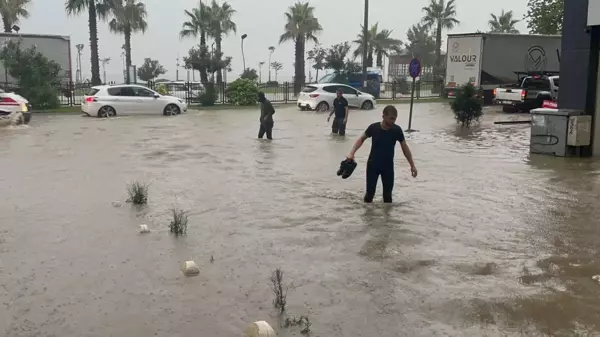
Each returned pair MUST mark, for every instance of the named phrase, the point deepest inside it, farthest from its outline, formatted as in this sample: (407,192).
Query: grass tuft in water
(138,193)
(302,322)
(278,290)
(178,225)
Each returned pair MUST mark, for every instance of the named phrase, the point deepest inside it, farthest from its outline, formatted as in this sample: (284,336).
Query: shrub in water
(178,225)
(209,96)
(466,106)
(138,193)
(242,92)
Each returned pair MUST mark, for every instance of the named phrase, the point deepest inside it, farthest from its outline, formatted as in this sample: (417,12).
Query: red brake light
(8,101)
(90,99)
(523,94)
(495,91)
(313,95)
(537,77)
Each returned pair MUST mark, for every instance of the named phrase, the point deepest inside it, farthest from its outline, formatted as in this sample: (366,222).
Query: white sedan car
(125,99)
(320,97)
(14,109)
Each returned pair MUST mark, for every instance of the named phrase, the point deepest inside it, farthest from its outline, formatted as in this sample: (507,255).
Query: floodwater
(487,241)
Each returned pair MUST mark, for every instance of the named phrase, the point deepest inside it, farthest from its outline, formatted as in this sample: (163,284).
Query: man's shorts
(338,126)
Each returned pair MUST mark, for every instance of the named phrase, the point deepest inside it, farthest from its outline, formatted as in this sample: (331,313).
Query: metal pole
(412,98)
(365,46)
(243,57)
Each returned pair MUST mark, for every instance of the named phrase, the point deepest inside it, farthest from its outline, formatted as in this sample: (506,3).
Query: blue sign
(414,68)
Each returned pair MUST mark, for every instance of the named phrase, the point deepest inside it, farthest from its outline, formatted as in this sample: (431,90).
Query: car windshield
(536,83)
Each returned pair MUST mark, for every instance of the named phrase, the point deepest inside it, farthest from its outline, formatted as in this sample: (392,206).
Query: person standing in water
(384,136)
(340,109)
(266,117)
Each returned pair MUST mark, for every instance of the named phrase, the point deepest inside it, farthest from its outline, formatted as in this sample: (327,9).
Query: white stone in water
(190,268)
(596,278)
(143,229)
(260,329)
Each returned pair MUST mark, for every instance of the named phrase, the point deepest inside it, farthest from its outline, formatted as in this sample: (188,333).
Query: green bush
(162,89)
(242,92)
(272,84)
(209,96)
(402,85)
(37,76)
(466,106)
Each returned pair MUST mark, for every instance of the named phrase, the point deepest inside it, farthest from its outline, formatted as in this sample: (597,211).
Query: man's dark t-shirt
(339,106)
(383,144)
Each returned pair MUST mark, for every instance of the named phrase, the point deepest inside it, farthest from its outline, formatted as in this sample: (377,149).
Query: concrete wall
(56,48)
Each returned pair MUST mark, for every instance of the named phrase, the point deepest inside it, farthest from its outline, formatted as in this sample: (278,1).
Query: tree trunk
(299,65)
(7,23)
(202,69)
(128,51)
(317,76)
(379,59)
(438,48)
(370,59)
(95,58)
(218,41)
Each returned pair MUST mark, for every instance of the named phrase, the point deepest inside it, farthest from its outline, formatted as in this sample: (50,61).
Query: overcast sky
(262,20)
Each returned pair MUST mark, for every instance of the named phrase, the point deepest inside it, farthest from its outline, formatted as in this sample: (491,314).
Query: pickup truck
(530,94)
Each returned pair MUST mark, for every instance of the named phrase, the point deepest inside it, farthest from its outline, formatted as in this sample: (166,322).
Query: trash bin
(559,132)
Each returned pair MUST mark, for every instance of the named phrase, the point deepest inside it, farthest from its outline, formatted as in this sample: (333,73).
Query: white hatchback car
(320,97)
(125,99)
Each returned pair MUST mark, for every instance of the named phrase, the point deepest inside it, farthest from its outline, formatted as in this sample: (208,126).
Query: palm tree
(197,26)
(379,43)
(277,66)
(128,17)
(220,24)
(97,9)
(503,23)
(421,44)
(301,25)
(439,15)
(12,11)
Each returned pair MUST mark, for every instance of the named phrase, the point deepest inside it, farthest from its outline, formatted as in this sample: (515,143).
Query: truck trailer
(491,60)
(54,47)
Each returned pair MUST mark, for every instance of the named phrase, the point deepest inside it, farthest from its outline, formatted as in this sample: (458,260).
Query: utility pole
(365,47)
(105,61)
(271,50)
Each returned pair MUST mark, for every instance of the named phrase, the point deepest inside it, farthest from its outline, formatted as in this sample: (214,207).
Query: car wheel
(367,105)
(106,112)
(322,107)
(171,110)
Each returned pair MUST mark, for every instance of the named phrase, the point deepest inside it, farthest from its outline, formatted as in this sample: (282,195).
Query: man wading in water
(340,109)
(266,117)
(384,136)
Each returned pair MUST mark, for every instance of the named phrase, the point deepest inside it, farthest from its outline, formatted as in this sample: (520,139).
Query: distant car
(14,109)
(129,99)
(320,97)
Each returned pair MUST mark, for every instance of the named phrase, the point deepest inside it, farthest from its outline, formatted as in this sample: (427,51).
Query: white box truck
(491,60)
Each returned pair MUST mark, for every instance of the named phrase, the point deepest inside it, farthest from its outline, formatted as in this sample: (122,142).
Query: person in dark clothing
(384,136)
(266,117)
(340,109)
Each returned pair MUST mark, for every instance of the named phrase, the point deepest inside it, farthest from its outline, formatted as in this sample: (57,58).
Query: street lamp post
(365,47)
(271,50)
(78,76)
(244,57)
(260,64)
(105,61)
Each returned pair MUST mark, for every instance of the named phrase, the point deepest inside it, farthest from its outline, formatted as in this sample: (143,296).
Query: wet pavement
(487,241)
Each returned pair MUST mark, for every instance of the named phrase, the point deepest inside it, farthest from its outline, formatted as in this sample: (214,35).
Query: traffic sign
(414,68)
